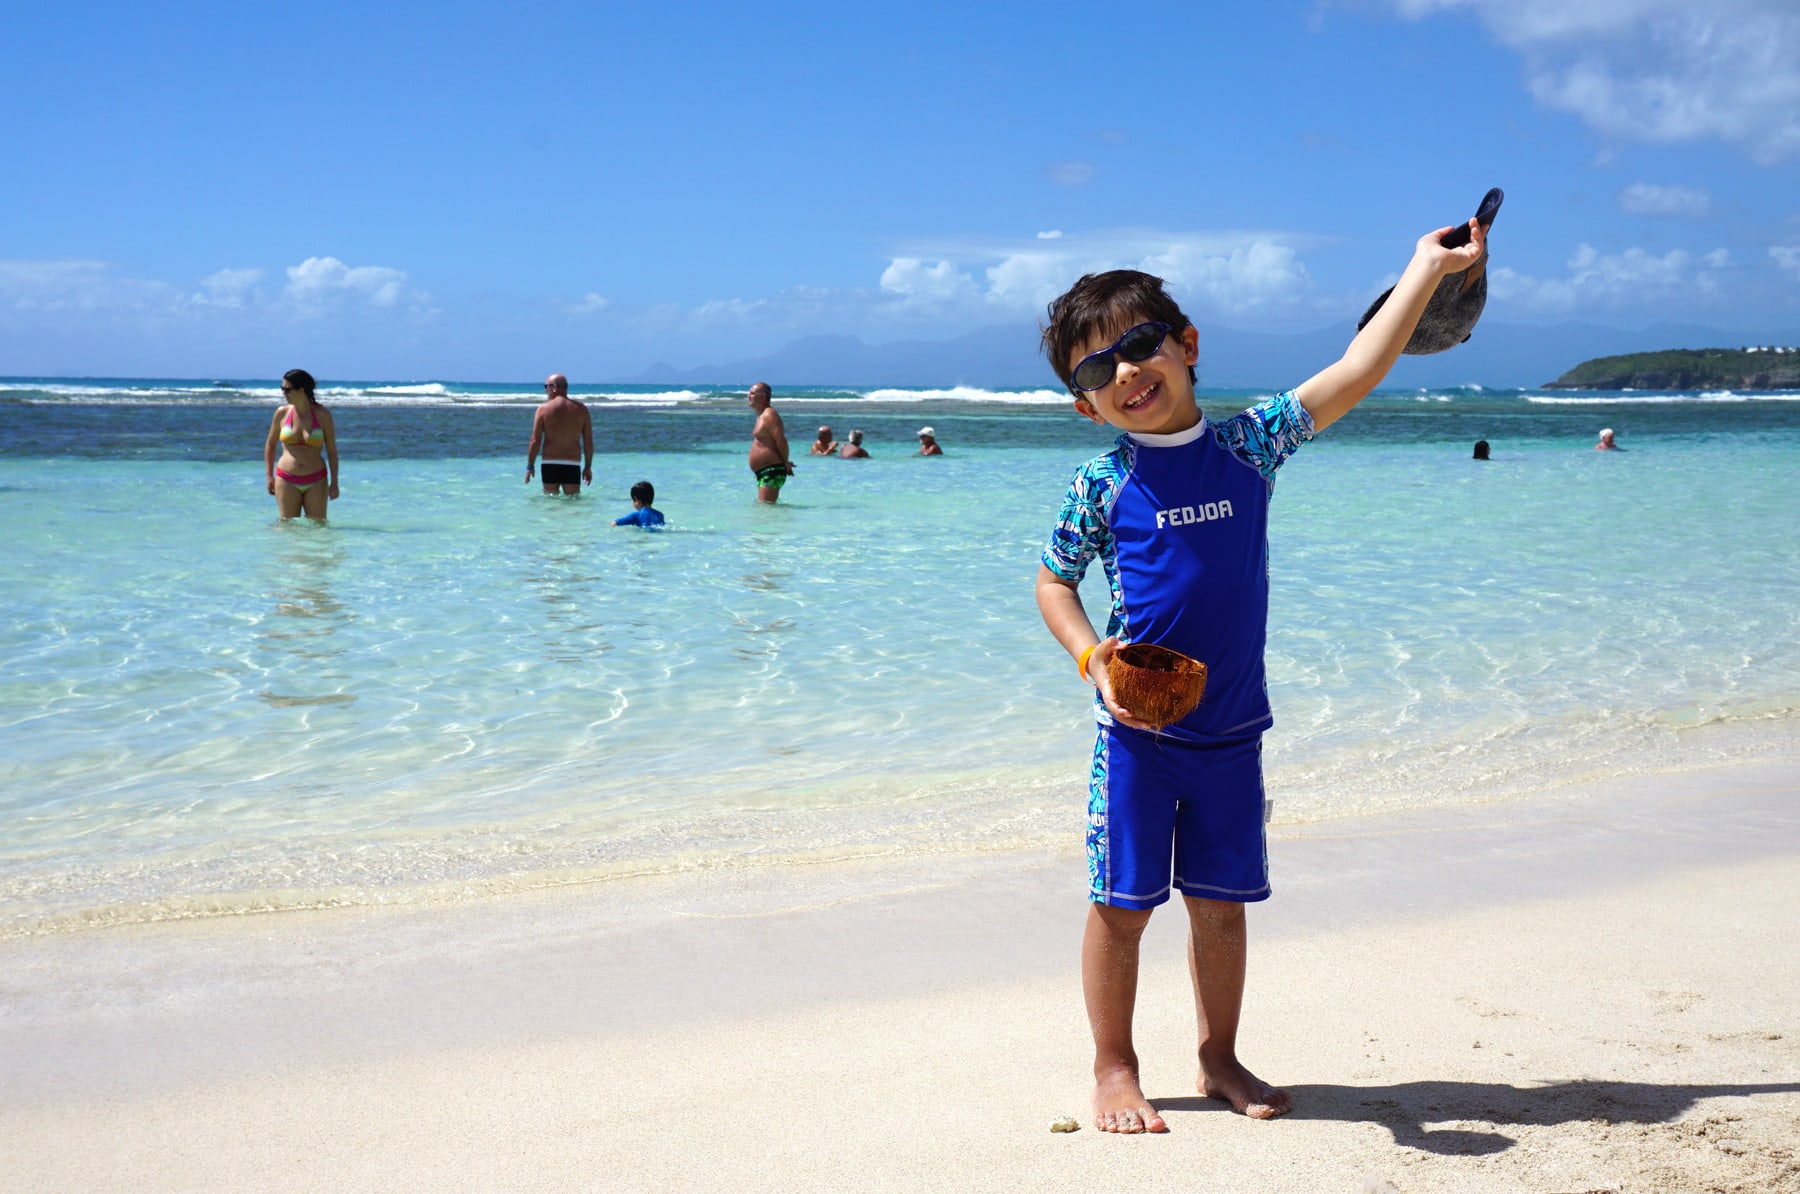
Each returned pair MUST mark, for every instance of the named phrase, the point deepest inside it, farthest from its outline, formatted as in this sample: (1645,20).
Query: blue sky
(476,192)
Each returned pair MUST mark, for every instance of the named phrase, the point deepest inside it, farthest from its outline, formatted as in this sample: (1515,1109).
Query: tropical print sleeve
(1081,532)
(1267,434)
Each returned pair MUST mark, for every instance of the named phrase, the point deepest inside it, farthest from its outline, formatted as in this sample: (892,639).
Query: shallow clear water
(460,686)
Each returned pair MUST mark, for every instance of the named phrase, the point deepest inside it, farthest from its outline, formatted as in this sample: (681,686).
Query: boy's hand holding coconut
(1144,686)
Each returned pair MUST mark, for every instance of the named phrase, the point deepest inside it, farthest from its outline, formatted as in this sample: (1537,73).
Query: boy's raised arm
(1329,394)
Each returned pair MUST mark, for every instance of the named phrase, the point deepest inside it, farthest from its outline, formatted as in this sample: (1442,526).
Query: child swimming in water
(643,514)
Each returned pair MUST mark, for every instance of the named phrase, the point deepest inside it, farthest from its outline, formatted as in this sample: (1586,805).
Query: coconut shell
(1157,685)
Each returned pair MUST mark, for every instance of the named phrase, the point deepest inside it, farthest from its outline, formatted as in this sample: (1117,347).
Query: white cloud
(798,308)
(1028,280)
(930,286)
(78,284)
(1259,274)
(1657,70)
(229,288)
(319,281)
(1212,273)
(738,311)
(1052,234)
(1787,257)
(1070,174)
(1649,199)
(1633,278)
(1518,21)
(314,286)
(912,278)
(592,303)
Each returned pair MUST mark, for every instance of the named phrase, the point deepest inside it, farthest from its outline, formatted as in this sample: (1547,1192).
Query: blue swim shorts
(1155,800)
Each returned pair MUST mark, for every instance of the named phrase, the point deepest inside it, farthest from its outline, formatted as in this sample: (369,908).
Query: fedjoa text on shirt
(1183,515)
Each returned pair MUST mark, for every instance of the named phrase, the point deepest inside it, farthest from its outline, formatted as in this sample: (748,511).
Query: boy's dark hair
(1099,302)
(643,492)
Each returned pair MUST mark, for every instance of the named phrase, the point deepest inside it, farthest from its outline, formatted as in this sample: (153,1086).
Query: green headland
(1766,368)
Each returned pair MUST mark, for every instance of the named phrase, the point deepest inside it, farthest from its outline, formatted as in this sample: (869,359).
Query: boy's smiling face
(1149,397)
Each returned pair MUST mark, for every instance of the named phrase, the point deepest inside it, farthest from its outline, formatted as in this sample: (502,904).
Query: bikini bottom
(298,482)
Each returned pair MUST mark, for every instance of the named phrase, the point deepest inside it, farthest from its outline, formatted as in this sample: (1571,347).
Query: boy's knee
(1130,921)
(1213,912)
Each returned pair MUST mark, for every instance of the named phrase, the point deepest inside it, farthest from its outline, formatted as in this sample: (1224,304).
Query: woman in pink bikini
(302,435)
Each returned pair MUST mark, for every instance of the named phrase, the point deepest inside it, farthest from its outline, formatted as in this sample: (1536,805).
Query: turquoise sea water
(460,687)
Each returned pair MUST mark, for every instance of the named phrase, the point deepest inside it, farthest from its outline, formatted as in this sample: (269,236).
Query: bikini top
(291,434)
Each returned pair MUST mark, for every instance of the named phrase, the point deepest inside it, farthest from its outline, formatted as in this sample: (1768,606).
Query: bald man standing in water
(565,432)
(768,446)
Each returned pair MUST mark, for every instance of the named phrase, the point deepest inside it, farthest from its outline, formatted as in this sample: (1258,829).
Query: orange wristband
(1081,663)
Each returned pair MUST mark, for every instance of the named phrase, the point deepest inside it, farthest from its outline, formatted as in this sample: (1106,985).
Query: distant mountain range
(1499,355)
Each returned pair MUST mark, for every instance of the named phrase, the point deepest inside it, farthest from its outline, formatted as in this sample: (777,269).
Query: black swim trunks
(560,474)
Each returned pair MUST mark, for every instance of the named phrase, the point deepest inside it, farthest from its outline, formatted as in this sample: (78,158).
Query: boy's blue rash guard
(646,517)
(1180,524)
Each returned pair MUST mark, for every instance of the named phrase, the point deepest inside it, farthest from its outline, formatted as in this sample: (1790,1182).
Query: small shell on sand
(1066,1124)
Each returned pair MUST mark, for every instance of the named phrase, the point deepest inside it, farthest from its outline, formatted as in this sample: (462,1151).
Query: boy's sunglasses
(1139,344)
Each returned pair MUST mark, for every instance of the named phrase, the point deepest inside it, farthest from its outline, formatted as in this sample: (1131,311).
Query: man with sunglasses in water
(564,430)
(1177,514)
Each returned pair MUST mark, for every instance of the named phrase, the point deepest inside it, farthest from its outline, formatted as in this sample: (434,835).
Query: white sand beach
(1592,992)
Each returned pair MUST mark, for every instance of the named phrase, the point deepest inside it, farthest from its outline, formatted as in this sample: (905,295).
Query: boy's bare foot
(1243,1090)
(1120,1105)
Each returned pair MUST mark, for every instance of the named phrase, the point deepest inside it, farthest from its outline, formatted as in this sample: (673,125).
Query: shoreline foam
(986,820)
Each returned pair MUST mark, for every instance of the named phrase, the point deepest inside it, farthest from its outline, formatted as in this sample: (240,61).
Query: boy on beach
(1177,515)
(643,514)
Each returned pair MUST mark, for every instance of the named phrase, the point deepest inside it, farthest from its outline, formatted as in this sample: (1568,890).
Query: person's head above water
(557,385)
(856,437)
(643,494)
(1481,449)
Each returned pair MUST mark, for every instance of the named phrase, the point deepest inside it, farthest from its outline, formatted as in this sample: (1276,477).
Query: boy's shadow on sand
(1405,1108)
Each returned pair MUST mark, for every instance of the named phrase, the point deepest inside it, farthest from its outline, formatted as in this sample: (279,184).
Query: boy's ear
(1190,344)
(1087,411)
